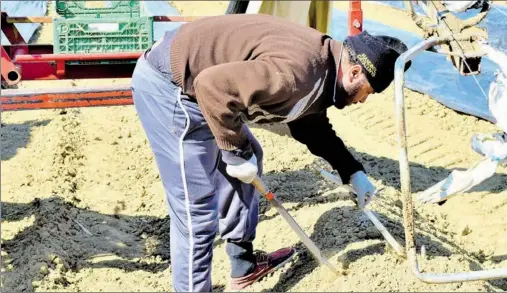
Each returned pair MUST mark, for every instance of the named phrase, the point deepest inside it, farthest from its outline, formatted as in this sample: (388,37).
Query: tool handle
(263,189)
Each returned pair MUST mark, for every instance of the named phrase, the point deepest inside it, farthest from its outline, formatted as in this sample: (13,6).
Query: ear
(355,73)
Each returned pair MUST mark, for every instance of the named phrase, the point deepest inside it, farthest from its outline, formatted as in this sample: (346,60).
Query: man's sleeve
(316,132)
(226,90)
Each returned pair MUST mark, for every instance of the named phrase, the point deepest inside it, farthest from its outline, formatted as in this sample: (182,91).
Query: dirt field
(83,206)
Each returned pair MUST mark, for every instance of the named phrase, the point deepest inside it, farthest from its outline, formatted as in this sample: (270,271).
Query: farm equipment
(446,34)
(127,35)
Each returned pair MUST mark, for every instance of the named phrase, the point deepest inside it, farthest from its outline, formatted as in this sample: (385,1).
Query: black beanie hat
(377,56)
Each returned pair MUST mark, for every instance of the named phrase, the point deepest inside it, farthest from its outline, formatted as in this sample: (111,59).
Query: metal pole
(270,196)
(382,229)
(408,208)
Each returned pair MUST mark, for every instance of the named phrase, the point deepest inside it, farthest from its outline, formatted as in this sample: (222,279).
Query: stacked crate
(101,27)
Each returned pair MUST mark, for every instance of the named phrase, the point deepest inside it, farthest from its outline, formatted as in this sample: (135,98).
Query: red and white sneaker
(266,263)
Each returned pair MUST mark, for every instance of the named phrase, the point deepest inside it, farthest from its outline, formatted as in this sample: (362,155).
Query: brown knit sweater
(255,67)
(260,68)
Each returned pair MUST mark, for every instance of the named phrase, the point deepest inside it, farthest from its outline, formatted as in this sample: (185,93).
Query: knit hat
(377,56)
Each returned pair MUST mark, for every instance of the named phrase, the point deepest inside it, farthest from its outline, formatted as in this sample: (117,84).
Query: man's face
(355,88)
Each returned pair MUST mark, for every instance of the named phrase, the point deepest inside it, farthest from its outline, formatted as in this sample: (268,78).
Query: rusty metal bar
(12,100)
(408,207)
(29,19)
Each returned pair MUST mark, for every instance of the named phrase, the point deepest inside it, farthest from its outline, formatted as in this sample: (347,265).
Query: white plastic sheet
(24,8)
(39,8)
(459,182)
(160,8)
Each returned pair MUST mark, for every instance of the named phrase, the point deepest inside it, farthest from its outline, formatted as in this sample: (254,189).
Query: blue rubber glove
(364,189)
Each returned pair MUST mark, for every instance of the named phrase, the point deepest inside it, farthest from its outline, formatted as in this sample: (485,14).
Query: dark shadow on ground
(339,227)
(80,238)
(387,170)
(16,136)
(334,231)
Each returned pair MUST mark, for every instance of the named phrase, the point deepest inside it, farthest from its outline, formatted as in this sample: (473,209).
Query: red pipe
(10,73)
(355,23)
(76,57)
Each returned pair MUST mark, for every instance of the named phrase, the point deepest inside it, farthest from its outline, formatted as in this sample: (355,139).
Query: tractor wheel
(237,7)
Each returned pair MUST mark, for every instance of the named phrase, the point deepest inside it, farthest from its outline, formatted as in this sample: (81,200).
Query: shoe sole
(283,263)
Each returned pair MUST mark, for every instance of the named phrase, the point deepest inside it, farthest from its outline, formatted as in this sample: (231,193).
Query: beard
(344,96)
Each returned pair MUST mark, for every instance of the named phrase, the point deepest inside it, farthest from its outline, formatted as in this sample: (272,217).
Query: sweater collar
(337,52)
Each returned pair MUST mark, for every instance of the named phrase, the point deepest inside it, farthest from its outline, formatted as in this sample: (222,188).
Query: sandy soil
(83,207)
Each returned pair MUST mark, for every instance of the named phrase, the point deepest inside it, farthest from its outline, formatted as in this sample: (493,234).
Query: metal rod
(382,229)
(76,57)
(29,19)
(408,208)
(22,99)
(270,196)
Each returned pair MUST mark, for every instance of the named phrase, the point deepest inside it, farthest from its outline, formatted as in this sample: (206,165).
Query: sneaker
(266,263)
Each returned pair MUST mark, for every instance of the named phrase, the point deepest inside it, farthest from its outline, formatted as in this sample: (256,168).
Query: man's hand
(241,164)
(363,188)
(245,171)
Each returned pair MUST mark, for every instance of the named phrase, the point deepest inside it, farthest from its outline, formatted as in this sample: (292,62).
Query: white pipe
(382,229)
(435,278)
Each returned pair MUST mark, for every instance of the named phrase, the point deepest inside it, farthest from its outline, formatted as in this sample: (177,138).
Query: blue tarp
(431,73)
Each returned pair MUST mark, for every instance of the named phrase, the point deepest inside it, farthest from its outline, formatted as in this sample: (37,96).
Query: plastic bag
(459,182)
(492,146)
(460,6)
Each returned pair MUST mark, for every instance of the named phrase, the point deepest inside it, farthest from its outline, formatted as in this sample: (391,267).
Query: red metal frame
(37,62)
(355,22)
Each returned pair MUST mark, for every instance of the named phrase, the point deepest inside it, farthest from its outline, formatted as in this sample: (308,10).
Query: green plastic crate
(97,9)
(102,35)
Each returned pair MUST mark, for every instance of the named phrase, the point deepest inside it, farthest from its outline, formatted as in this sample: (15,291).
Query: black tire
(237,7)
